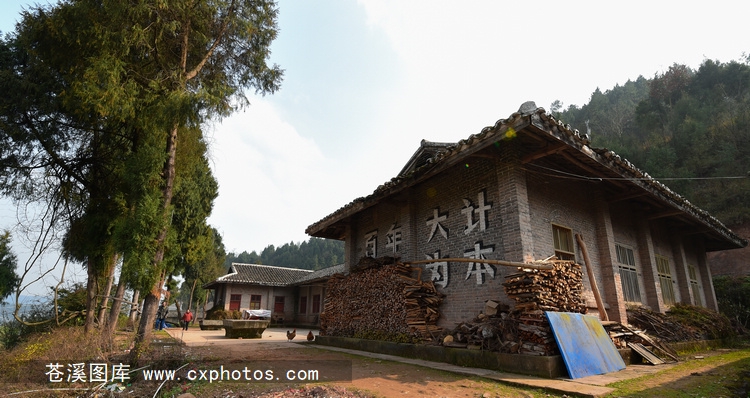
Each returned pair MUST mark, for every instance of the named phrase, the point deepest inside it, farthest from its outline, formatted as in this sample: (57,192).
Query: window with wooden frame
(278,304)
(234,302)
(563,241)
(303,305)
(316,304)
(631,290)
(665,280)
(255,301)
(695,286)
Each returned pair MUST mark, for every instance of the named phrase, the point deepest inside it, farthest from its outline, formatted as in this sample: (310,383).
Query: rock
(527,108)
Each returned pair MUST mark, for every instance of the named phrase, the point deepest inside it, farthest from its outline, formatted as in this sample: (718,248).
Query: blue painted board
(584,344)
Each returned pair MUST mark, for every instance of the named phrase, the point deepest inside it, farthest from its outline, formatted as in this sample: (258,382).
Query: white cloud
(269,179)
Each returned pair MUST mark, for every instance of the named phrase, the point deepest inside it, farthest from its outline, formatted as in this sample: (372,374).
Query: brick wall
(496,208)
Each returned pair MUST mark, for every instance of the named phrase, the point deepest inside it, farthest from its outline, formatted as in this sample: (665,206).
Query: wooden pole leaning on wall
(483,261)
(589,270)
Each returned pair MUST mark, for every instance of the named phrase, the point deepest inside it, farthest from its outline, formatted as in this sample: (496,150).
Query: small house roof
(321,274)
(257,274)
(544,138)
(268,275)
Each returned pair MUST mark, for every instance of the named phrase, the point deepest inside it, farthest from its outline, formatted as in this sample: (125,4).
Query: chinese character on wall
(477,268)
(439,270)
(371,244)
(393,238)
(480,210)
(435,225)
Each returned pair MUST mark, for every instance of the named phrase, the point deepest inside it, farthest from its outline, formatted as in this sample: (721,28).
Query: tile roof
(268,275)
(533,121)
(321,274)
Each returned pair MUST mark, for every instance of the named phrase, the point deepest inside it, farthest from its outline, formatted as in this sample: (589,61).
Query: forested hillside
(690,129)
(313,254)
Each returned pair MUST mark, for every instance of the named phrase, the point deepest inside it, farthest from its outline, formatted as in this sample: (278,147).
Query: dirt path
(370,377)
(382,378)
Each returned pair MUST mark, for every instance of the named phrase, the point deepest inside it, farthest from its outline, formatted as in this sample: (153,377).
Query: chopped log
(395,303)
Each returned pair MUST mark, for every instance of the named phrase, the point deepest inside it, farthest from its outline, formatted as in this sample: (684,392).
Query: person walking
(186,318)
(161,316)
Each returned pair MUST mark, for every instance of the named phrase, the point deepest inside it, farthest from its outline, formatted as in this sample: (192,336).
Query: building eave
(562,138)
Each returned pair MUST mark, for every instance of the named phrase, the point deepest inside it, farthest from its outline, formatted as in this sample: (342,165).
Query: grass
(719,375)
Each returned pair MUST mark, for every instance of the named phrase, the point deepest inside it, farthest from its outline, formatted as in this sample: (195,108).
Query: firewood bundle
(381,299)
(548,290)
(536,291)
(524,330)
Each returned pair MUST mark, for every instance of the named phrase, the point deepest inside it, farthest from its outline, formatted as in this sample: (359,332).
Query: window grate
(563,241)
(665,280)
(631,290)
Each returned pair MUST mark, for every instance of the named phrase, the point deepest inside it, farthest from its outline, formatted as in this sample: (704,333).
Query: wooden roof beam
(668,213)
(590,170)
(549,150)
(627,197)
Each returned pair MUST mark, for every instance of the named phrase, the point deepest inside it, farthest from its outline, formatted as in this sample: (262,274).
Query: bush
(13,332)
(218,313)
(733,297)
(712,324)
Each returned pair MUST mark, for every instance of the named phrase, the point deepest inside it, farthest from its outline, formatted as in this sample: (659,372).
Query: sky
(365,81)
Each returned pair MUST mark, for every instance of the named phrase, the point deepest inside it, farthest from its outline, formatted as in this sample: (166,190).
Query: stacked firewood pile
(557,290)
(525,330)
(658,324)
(682,322)
(536,291)
(381,299)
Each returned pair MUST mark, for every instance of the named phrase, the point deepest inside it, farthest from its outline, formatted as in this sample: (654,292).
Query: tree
(8,277)
(125,80)
(206,270)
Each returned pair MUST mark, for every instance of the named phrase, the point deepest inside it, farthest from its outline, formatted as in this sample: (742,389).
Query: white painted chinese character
(120,373)
(97,372)
(54,374)
(480,210)
(439,270)
(371,244)
(393,238)
(477,268)
(77,372)
(435,225)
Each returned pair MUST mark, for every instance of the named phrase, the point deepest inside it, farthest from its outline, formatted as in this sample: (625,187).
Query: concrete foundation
(211,324)
(549,366)
(246,329)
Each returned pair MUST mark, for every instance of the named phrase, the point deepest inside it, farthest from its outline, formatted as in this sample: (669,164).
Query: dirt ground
(370,377)
(381,378)
(718,373)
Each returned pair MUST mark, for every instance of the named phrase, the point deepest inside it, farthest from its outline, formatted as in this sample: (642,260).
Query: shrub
(218,313)
(733,297)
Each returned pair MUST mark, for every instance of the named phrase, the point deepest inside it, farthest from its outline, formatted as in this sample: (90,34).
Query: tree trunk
(179,310)
(203,313)
(134,308)
(90,298)
(192,290)
(107,291)
(114,313)
(151,304)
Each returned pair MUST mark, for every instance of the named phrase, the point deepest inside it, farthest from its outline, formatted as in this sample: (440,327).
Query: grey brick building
(520,191)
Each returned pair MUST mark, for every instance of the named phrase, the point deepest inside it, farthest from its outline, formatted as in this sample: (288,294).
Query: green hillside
(690,129)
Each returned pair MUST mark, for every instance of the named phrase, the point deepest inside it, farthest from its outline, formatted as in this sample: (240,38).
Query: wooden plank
(646,353)
(484,261)
(592,279)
